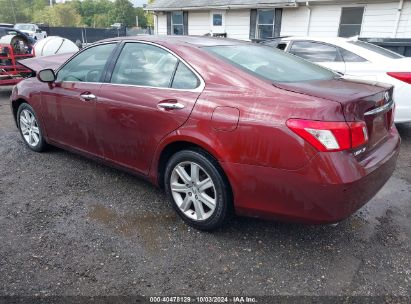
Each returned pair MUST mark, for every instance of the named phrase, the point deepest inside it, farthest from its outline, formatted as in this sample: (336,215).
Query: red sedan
(223,126)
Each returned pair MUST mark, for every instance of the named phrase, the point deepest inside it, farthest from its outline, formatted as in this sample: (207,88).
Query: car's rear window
(377,49)
(271,64)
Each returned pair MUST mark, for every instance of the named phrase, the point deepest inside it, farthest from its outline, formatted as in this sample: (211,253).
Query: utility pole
(136,20)
(51,3)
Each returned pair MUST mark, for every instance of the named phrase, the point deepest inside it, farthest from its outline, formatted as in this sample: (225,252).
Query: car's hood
(47,62)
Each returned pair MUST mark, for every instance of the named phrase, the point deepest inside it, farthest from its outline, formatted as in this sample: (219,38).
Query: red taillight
(359,133)
(403,76)
(328,136)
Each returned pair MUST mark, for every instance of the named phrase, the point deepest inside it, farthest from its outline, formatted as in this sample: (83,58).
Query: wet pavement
(70,226)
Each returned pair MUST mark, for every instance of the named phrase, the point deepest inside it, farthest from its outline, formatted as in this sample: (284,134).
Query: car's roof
(332,40)
(345,43)
(198,41)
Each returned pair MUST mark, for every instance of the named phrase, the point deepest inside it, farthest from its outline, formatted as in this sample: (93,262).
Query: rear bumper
(403,113)
(402,93)
(329,189)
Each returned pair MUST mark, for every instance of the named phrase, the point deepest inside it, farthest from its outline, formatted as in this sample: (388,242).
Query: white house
(253,19)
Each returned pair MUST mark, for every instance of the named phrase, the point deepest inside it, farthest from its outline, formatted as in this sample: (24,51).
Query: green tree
(141,15)
(124,12)
(14,11)
(149,16)
(58,15)
(95,13)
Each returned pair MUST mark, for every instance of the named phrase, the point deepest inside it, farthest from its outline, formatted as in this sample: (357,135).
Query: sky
(138,3)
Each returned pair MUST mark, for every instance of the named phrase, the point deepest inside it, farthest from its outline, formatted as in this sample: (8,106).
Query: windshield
(377,49)
(271,64)
(24,27)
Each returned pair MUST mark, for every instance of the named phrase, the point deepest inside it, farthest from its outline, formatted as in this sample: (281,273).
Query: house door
(217,20)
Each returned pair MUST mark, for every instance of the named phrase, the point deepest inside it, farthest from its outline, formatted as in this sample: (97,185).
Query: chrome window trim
(198,89)
(130,85)
(381,109)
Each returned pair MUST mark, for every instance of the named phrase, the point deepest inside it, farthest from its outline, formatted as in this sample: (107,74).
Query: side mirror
(46,75)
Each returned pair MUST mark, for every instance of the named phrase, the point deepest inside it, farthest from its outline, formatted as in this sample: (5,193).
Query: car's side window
(184,78)
(350,56)
(144,65)
(282,46)
(87,66)
(315,52)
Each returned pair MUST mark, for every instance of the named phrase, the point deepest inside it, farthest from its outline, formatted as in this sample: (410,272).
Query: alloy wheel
(193,190)
(29,128)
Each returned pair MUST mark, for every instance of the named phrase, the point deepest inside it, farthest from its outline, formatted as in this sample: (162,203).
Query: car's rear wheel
(197,189)
(29,128)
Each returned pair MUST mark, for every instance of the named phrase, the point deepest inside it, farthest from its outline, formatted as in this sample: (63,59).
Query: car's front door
(69,104)
(321,53)
(149,93)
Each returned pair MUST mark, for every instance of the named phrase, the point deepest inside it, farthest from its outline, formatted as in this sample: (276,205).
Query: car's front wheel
(29,128)
(197,189)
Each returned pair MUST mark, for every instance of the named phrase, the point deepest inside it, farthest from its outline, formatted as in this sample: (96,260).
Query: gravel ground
(70,226)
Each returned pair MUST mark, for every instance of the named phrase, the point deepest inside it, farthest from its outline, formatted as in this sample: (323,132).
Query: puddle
(152,229)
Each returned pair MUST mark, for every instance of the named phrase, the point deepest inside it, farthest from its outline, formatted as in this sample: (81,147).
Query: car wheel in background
(198,189)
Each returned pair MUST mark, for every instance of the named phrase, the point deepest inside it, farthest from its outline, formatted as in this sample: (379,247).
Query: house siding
(404,27)
(325,20)
(295,22)
(198,22)
(379,21)
(238,24)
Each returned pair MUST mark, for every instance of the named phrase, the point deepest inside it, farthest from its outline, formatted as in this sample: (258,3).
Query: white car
(356,60)
(31,30)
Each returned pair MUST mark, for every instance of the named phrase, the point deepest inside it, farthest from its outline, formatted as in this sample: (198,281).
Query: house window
(177,24)
(217,19)
(265,23)
(350,22)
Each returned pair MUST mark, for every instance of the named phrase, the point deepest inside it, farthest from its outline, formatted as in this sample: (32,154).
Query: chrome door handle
(88,96)
(171,106)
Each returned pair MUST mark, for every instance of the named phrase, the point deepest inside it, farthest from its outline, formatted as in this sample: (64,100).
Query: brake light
(328,136)
(403,76)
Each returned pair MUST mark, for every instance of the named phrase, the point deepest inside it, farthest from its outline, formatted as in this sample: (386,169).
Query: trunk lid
(366,101)
(47,62)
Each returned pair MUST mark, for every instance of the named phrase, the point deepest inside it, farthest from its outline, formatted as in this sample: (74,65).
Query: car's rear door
(148,93)
(68,105)
(323,54)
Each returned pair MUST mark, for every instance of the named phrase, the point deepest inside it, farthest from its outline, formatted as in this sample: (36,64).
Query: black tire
(41,145)
(222,195)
